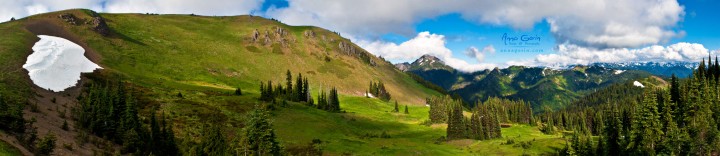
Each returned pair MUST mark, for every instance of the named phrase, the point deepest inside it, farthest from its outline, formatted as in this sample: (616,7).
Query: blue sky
(468,34)
(701,23)
(668,30)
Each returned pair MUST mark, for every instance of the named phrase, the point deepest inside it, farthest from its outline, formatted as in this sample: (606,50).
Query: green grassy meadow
(206,58)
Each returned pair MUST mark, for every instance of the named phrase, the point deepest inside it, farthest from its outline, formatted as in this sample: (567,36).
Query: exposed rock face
(280,31)
(350,50)
(99,25)
(69,18)
(403,66)
(346,48)
(255,35)
(267,38)
(309,33)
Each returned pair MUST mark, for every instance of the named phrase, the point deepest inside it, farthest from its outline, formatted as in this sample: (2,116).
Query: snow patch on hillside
(638,84)
(56,63)
(619,71)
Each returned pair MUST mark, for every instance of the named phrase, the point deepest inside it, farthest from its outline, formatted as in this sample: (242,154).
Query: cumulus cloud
(216,7)
(425,43)
(479,54)
(23,8)
(569,54)
(599,24)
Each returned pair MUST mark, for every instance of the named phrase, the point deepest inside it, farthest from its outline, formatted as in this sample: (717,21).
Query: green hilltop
(205,58)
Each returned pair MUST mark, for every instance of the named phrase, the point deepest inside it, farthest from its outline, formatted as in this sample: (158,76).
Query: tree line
(679,120)
(378,90)
(484,123)
(299,92)
(110,111)
(256,138)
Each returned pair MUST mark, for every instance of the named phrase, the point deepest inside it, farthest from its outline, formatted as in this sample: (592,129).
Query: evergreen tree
(288,84)
(406,110)
(213,142)
(299,95)
(46,145)
(306,90)
(456,127)
(397,109)
(673,138)
(612,133)
(335,101)
(238,92)
(259,134)
(646,128)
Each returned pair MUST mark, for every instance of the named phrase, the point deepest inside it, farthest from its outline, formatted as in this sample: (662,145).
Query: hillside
(204,58)
(555,88)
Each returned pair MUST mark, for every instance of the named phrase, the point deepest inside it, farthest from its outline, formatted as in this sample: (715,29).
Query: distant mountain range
(664,69)
(540,86)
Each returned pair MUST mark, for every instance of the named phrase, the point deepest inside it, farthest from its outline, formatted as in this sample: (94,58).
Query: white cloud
(479,54)
(215,7)
(425,43)
(23,8)
(600,23)
(569,54)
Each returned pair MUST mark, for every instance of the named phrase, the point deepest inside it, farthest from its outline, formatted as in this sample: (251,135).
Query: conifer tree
(406,110)
(213,141)
(612,133)
(306,90)
(672,138)
(456,127)
(397,109)
(46,145)
(299,88)
(238,92)
(646,128)
(259,134)
(288,84)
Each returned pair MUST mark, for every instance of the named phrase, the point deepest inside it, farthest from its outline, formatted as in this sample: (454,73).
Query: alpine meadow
(290,77)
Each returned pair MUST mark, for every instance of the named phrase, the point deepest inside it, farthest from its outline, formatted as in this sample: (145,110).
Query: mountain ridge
(538,85)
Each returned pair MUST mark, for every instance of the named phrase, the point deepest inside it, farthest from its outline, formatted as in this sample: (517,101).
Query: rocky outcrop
(350,50)
(347,48)
(280,32)
(403,66)
(69,18)
(99,26)
(309,33)
(267,38)
(255,36)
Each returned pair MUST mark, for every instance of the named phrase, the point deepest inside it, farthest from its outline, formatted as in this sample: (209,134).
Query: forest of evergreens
(484,123)
(678,120)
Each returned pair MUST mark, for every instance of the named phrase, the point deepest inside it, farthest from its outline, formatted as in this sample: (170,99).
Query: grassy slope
(216,51)
(206,57)
(408,136)
(8,150)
